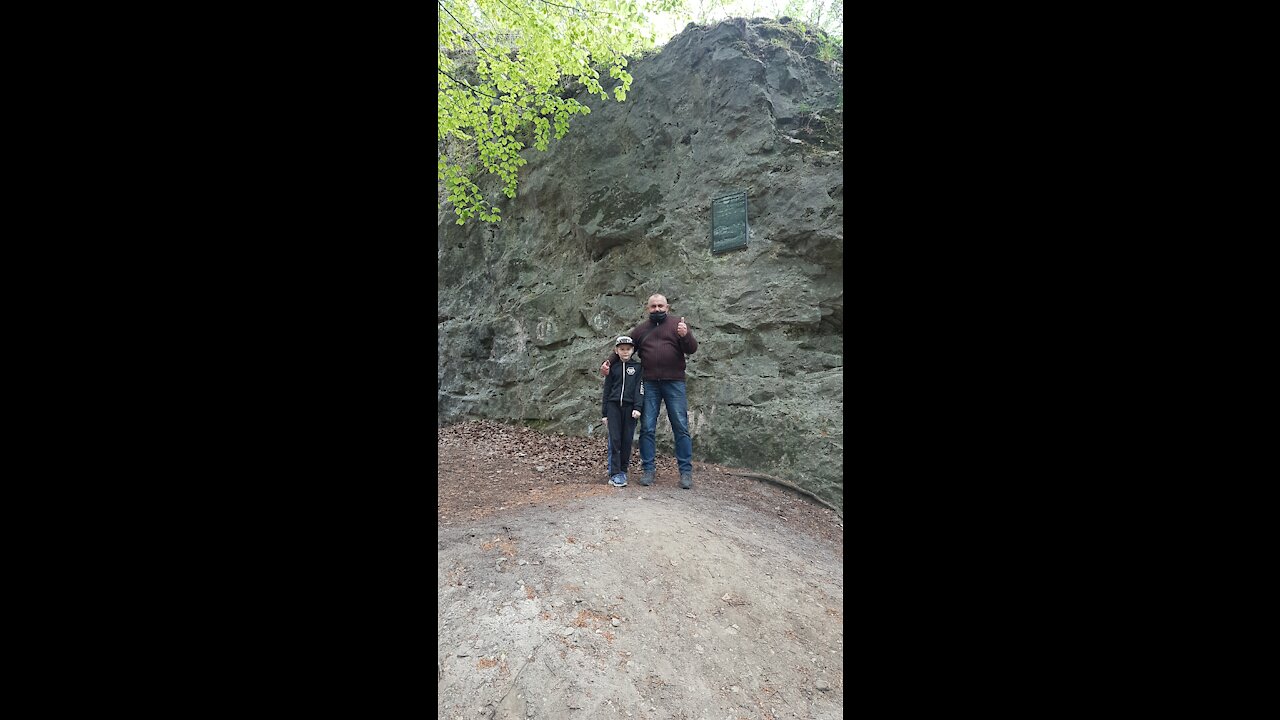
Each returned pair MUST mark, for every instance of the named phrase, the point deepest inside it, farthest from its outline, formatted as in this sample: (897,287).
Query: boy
(619,407)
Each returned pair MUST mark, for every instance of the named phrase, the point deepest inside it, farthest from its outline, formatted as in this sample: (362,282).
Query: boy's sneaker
(686,480)
(619,480)
(647,478)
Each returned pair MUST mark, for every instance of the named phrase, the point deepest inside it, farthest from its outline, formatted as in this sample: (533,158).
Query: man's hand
(635,414)
(682,329)
(604,368)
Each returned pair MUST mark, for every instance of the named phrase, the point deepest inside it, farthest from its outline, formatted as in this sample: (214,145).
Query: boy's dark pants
(622,427)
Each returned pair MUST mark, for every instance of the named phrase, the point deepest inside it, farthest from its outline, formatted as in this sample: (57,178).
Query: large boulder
(621,208)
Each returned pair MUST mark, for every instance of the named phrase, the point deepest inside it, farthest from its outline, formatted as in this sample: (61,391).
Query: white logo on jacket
(631,371)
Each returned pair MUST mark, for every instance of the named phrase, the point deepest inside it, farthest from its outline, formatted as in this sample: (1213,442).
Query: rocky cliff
(621,208)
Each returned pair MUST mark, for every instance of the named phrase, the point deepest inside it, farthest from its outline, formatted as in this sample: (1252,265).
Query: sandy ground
(561,597)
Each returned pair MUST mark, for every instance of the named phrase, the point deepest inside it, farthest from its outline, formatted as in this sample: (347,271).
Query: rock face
(620,208)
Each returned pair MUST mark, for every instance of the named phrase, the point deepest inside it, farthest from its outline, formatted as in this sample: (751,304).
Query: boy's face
(624,352)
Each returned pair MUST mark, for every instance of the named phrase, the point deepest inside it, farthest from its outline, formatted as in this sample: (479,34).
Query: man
(662,344)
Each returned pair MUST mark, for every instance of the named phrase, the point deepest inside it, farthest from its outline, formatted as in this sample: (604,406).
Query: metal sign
(729,227)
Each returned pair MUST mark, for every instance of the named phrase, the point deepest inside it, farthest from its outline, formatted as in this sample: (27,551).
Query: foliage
(702,11)
(828,47)
(825,16)
(502,67)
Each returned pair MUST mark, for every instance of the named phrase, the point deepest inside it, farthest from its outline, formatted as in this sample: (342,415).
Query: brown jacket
(661,350)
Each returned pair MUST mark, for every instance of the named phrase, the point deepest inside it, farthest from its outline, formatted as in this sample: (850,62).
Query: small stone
(690,615)
(567,631)
(541,468)
(616,622)
(523,562)
(615,517)
(822,685)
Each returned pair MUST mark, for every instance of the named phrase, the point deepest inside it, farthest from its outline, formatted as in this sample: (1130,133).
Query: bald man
(662,344)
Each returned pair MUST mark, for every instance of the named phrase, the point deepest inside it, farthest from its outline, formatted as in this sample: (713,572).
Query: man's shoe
(686,480)
(647,478)
(619,480)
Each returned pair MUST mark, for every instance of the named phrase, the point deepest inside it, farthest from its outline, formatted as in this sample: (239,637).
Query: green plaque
(728,223)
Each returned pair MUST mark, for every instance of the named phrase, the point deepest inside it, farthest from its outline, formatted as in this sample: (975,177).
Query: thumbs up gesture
(681,328)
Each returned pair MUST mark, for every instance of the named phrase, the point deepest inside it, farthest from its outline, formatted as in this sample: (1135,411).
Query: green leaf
(506,63)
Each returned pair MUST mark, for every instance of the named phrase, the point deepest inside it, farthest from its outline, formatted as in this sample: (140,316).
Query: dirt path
(577,600)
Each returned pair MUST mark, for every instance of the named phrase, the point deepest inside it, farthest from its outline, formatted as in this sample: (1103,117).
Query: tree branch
(789,486)
(581,10)
(468,86)
(513,10)
(468,32)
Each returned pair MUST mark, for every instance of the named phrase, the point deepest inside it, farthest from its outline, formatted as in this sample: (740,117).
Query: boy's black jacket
(623,383)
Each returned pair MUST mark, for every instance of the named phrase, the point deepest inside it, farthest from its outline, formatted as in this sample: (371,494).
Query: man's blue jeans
(672,392)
